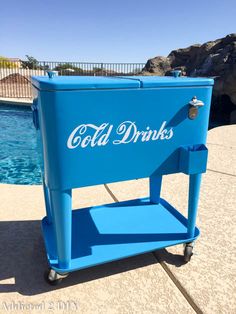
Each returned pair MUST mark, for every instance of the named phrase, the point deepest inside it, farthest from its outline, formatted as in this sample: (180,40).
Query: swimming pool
(19,162)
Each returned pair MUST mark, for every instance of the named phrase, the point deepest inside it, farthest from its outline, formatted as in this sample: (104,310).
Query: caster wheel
(188,252)
(53,278)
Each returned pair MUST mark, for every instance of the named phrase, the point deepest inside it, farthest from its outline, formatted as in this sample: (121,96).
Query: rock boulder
(212,59)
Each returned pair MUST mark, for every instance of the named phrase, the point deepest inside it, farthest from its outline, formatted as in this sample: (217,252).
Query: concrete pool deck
(157,282)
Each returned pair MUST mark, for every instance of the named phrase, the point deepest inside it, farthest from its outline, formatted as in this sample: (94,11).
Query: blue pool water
(19,163)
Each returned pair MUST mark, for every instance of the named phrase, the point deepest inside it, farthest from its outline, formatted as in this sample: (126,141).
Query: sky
(110,31)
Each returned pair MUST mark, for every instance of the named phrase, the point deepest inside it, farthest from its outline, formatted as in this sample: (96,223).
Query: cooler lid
(82,82)
(166,81)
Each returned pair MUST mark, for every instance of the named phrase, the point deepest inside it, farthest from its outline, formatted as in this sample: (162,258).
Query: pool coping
(16,101)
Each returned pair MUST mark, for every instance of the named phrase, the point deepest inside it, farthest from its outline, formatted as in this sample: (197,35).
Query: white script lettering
(127,132)
(100,138)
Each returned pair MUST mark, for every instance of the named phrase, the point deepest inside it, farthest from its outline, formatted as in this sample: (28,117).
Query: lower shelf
(106,233)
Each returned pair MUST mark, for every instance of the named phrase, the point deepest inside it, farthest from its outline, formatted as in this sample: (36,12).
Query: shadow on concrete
(23,261)
(169,258)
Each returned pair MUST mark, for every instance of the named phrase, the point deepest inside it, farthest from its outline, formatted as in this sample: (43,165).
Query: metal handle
(176,73)
(51,74)
(35,117)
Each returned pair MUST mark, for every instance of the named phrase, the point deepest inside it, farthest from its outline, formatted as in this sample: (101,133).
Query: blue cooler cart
(97,130)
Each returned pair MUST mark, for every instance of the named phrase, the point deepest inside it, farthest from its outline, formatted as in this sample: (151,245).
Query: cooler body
(97,130)
(101,134)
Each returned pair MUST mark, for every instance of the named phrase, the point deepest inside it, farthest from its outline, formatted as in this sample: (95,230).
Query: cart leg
(47,203)
(155,188)
(62,221)
(194,189)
